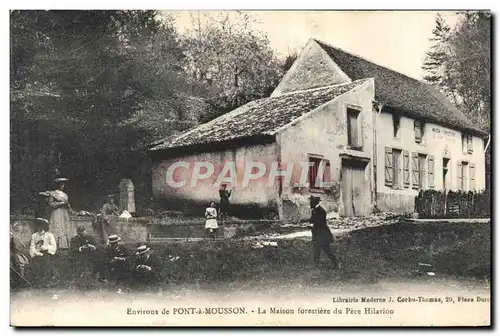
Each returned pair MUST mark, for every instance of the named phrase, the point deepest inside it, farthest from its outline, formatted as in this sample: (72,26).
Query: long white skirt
(211,224)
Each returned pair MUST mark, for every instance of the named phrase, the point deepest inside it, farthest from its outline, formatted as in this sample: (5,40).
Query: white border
(182,5)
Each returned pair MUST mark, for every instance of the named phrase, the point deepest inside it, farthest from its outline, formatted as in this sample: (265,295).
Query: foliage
(75,80)
(459,64)
(91,90)
(233,60)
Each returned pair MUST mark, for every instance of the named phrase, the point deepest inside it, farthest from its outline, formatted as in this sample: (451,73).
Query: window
(467,143)
(422,165)
(406,169)
(421,171)
(353,129)
(395,159)
(430,171)
(462,175)
(396,120)
(472,176)
(318,165)
(419,127)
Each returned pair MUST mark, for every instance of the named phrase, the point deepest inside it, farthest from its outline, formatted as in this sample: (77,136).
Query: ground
(374,259)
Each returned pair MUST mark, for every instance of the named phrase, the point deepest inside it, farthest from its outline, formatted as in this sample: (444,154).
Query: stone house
(357,134)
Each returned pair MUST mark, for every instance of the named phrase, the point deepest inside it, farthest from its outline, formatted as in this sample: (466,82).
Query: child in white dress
(211,225)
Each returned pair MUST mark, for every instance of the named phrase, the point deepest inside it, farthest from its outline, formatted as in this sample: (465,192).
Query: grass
(367,256)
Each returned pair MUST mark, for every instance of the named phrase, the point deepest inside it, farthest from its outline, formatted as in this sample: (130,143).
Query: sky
(395,39)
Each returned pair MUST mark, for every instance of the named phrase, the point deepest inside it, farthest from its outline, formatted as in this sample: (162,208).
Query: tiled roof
(260,117)
(400,92)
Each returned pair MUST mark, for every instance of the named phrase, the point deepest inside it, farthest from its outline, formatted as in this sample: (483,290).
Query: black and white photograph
(250,168)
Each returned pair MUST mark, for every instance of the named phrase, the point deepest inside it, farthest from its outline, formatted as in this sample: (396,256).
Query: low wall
(398,203)
(131,230)
(145,229)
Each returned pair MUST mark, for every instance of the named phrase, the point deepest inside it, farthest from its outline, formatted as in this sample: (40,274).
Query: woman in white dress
(211,222)
(59,215)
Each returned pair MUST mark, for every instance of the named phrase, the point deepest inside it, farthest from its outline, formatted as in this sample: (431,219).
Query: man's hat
(40,220)
(42,223)
(80,229)
(60,179)
(113,239)
(315,198)
(142,249)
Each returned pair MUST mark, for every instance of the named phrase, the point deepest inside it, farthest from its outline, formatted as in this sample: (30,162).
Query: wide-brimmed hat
(42,223)
(41,220)
(111,196)
(142,249)
(114,239)
(60,179)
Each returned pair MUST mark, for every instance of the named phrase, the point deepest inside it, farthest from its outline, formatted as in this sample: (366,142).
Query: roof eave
(213,146)
(412,114)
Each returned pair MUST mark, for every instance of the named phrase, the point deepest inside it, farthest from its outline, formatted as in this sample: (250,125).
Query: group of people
(211,225)
(115,262)
(112,263)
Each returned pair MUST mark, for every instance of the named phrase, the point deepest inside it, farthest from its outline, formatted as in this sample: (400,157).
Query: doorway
(354,194)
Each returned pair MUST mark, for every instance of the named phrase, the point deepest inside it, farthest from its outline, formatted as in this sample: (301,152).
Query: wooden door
(353,188)
(347,194)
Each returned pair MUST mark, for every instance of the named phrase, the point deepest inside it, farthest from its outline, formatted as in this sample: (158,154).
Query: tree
(233,60)
(459,64)
(289,60)
(76,78)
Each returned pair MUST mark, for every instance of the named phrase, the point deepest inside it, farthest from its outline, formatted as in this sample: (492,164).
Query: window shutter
(388,166)
(430,170)
(327,173)
(472,174)
(415,173)
(406,169)
(469,144)
(459,175)
(418,130)
(465,172)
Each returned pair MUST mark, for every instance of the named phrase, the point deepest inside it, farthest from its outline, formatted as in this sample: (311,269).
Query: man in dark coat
(118,260)
(224,195)
(321,235)
(86,254)
(147,268)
